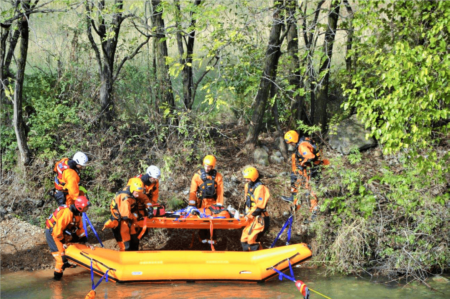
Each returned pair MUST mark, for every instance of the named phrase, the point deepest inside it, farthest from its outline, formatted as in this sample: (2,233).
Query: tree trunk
(320,114)
(162,70)
(187,57)
(350,30)
(106,90)
(271,61)
(19,126)
(298,105)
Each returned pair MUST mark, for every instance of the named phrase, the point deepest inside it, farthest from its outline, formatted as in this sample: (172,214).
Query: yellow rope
(319,293)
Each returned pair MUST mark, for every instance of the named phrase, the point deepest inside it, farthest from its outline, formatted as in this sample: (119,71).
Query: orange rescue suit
(67,180)
(257,195)
(195,188)
(304,159)
(63,220)
(123,209)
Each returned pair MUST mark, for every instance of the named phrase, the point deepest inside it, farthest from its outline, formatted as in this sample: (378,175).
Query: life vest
(60,167)
(250,196)
(51,221)
(300,158)
(209,186)
(114,207)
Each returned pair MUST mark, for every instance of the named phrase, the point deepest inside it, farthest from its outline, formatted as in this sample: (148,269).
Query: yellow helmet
(209,160)
(291,137)
(136,185)
(251,173)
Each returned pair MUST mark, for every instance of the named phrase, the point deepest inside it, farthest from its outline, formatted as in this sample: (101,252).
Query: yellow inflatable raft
(164,266)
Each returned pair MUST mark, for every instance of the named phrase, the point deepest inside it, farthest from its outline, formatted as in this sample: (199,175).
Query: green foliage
(51,115)
(175,203)
(400,88)
(353,197)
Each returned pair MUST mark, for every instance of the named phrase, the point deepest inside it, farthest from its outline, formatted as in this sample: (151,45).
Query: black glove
(68,265)
(150,212)
(60,198)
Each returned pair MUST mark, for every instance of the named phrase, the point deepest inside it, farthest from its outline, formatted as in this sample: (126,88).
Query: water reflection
(76,284)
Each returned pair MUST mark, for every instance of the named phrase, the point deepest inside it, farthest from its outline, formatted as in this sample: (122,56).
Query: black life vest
(209,187)
(299,158)
(250,196)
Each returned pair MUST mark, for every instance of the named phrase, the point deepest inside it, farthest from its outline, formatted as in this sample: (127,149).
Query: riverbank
(377,214)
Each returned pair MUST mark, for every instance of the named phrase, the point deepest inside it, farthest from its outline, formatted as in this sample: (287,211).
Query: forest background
(134,83)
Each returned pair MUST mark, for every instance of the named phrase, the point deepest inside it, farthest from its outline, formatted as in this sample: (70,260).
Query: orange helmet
(209,160)
(136,185)
(291,137)
(251,173)
(81,202)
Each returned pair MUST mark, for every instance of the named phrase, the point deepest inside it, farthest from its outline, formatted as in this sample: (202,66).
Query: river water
(76,283)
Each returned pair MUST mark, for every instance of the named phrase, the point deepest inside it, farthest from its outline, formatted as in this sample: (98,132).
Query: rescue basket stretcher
(166,266)
(193,223)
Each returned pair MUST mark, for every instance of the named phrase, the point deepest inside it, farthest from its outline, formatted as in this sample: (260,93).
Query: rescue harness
(60,167)
(250,200)
(114,207)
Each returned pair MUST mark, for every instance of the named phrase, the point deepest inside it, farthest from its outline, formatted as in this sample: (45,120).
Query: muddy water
(76,284)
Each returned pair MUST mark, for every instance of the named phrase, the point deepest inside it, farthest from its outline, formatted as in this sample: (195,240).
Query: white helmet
(153,171)
(80,158)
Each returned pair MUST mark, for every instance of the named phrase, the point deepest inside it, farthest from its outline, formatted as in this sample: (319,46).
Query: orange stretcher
(192,223)
(166,266)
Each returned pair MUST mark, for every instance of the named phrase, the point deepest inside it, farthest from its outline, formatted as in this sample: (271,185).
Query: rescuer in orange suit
(149,198)
(306,160)
(65,226)
(124,216)
(67,178)
(207,190)
(258,221)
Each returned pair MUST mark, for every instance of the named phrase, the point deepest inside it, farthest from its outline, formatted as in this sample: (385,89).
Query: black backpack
(209,186)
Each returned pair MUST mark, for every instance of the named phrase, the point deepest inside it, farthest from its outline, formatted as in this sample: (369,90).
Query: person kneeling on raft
(258,221)
(63,226)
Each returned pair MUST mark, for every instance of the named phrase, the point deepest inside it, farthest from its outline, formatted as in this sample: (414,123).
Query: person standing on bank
(306,160)
(67,178)
(257,196)
(65,226)
(207,190)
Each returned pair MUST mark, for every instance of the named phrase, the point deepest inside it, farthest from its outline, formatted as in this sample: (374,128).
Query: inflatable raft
(166,266)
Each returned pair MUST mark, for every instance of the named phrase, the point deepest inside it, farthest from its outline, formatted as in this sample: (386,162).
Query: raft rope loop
(105,276)
(288,222)
(292,278)
(85,218)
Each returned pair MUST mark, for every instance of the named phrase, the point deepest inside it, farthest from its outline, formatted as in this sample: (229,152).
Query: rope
(84,218)
(292,278)
(105,276)
(288,222)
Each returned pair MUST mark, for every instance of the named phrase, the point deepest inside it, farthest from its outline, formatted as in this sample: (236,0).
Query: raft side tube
(158,266)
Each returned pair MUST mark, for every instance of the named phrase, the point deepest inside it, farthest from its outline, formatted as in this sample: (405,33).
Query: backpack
(209,186)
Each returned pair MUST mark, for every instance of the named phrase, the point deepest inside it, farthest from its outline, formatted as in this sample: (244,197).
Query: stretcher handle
(85,254)
(286,259)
